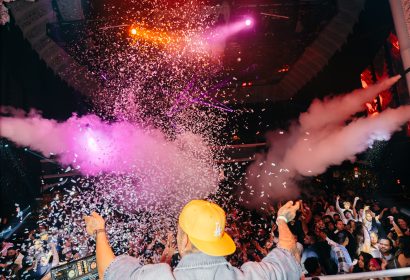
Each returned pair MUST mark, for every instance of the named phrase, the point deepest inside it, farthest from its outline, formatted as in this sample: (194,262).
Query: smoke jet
(325,135)
(94,147)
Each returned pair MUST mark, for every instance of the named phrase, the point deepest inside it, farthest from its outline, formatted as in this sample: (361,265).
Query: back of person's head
(310,238)
(327,218)
(312,265)
(366,257)
(323,251)
(204,224)
(341,236)
(330,225)
(404,245)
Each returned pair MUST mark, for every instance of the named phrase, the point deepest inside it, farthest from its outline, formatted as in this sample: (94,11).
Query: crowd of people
(335,235)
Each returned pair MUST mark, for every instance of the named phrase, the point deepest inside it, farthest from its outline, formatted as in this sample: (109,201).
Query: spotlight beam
(275,15)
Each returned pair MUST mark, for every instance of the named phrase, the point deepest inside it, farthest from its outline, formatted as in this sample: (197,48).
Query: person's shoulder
(160,270)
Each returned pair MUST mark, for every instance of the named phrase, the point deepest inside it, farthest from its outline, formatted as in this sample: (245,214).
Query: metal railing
(366,275)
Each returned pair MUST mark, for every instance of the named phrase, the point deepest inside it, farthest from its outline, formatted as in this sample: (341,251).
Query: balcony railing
(366,275)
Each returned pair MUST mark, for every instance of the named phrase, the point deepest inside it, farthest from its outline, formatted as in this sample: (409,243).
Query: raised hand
(289,210)
(93,223)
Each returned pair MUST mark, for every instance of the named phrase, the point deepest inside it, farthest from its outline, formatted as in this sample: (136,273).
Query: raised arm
(95,225)
(367,242)
(286,214)
(395,226)
(329,241)
(363,217)
(355,216)
(283,262)
(380,216)
(340,210)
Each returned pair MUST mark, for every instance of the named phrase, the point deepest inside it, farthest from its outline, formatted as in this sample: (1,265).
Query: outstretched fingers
(288,204)
(296,206)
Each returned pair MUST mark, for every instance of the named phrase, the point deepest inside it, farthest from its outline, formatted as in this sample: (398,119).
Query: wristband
(97,231)
(281,218)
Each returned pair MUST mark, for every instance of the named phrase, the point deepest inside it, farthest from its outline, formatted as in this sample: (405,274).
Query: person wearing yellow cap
(202,243)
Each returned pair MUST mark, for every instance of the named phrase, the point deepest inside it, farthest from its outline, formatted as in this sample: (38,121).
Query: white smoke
(325,135)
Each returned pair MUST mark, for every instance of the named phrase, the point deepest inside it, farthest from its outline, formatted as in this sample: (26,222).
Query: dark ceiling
(266,57)
(282,32)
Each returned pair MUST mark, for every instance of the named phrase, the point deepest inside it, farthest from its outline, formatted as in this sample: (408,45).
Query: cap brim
(223,247)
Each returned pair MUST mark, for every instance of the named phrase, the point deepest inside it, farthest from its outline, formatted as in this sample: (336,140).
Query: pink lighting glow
(248,22)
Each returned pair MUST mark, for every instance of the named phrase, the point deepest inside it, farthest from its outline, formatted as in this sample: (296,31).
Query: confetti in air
(160,75)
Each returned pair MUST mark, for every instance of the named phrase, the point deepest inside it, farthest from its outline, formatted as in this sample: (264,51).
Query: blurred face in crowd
(317,218)
(384,246)
(37,244)
(374,238)
(269,244)
(393,210)
(320,224)
(375,207)
(331,208)
(331,226)
(336,217)
(360,262)
(346,205)
(309,240)
(68,255)
(326,219)
(67,243)
(11,254)
(373,265)
(348,215)
(368,216)
(402,223)
(340,225)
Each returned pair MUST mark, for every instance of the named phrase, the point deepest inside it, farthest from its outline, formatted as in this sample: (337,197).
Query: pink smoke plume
(93,146)
(321,138)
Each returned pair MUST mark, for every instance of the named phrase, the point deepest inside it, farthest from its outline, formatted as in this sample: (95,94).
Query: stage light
(92,144)
(134,31)
(248,22)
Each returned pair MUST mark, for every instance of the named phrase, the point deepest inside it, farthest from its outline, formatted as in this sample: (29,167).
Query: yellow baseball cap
(204,223)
